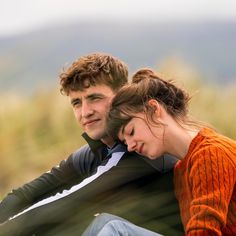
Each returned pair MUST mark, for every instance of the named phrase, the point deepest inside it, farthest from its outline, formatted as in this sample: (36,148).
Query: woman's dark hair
(134,98)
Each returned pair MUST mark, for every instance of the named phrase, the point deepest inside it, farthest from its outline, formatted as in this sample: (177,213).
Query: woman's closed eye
(131,132)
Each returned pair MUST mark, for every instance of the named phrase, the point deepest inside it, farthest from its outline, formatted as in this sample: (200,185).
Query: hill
(35,59)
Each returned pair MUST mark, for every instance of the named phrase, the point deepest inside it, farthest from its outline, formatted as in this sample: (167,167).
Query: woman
(151,117)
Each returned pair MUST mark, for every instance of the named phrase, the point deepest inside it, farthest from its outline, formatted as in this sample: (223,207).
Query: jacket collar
(97,144)
(93,144)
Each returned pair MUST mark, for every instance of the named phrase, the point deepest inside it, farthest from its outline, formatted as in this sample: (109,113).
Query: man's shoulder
(82,151)
(85,160)
(163,163)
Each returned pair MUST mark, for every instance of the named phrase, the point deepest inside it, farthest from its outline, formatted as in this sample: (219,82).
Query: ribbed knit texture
(205,185)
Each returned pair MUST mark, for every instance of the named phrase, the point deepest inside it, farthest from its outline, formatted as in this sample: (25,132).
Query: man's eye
(77,103)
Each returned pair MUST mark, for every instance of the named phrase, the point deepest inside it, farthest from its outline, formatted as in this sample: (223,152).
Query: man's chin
(95,136)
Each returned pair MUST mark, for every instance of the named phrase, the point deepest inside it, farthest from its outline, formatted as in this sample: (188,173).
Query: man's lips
(90,122)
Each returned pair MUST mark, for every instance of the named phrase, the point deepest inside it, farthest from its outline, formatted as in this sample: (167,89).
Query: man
(101,176)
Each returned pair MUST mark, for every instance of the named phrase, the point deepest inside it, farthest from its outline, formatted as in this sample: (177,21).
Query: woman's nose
(131,145)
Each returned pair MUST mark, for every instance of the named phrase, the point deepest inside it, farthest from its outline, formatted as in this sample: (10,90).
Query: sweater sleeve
(212,178)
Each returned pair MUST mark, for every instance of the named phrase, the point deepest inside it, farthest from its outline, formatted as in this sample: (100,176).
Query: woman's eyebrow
(122,132)
(123,129)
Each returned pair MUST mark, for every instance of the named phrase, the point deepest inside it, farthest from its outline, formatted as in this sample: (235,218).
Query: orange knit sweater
(205,185)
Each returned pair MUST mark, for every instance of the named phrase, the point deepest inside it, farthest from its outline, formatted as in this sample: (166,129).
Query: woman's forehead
(123,130)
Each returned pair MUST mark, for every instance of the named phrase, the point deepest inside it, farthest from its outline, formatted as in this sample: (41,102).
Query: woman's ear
(156,106)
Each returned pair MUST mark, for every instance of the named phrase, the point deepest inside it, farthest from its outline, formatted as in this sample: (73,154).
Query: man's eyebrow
(74,100)
(95,95)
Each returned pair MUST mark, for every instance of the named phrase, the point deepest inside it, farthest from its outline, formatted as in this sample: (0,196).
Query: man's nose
(131,145)
(86,110)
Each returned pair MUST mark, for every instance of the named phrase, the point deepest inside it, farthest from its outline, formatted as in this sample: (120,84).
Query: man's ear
(155,104)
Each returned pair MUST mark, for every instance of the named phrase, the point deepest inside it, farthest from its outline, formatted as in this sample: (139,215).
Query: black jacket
(73,170)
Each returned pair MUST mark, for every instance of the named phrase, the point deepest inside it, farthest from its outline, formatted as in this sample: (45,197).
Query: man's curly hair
(93,69)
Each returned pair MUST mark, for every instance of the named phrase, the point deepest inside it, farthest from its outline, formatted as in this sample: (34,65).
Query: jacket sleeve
(60,177)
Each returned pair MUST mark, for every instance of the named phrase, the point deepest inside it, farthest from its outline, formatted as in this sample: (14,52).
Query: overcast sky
(18,16)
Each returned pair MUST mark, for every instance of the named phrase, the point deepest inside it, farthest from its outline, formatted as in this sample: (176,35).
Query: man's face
(91,107)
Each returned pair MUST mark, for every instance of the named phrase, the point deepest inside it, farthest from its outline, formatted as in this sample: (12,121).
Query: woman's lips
(141,149)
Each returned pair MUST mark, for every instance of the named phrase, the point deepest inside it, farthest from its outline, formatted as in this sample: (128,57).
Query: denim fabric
(111,225)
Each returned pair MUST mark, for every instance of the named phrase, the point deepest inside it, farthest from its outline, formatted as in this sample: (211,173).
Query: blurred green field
(38,132)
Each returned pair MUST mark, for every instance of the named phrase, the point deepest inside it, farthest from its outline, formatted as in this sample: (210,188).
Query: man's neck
(108,141)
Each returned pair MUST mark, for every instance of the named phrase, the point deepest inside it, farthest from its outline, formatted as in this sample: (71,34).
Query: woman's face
(143,137)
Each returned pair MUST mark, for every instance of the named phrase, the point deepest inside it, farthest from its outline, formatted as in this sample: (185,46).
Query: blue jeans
(110,225)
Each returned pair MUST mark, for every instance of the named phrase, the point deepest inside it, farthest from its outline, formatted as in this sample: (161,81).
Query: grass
(38,132)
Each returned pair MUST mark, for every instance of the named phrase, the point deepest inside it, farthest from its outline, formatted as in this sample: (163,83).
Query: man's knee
(98,223)
(105,217)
